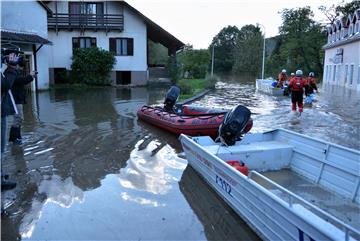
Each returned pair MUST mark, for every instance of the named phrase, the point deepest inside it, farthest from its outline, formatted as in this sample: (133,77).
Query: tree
(248,51)
(333,12)
(194,62)
(301,41)
(348,8)
(158,54)
(92,66)
(224,45)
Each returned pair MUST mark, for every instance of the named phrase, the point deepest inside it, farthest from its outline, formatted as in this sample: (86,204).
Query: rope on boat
(205,116)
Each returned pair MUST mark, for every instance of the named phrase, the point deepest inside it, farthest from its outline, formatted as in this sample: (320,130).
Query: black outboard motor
(171,97)
(236,123)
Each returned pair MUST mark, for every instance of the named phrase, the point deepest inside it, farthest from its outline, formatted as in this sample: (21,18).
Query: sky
(196,22)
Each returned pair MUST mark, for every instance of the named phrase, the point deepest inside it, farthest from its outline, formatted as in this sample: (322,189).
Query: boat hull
(265,86)
(193,123)
(268,215)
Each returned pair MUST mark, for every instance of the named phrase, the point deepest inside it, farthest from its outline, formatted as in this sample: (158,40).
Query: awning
(23,38)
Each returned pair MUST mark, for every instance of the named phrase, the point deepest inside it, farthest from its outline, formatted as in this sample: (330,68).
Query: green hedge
(92,66)
(192,87)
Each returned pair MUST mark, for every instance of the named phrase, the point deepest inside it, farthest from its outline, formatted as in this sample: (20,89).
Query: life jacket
(282,77)
(311,81)
(297,84)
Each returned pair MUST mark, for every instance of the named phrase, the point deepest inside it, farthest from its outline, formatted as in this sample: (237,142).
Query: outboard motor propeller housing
(236,123)
(171,97)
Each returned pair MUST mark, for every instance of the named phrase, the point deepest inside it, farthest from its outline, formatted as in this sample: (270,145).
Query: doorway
(123,77)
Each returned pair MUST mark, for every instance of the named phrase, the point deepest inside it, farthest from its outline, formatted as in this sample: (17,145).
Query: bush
(173,69)
(185,88)
(92,66)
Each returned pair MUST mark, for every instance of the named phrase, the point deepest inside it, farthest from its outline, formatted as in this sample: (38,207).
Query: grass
(191,87)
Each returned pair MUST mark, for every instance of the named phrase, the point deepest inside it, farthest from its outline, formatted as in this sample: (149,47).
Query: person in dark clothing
(19,94)
(8,107)
(297,85)
(311,85)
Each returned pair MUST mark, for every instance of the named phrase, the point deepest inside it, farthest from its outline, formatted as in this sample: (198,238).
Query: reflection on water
(145,170)
(219,220)
(87,160)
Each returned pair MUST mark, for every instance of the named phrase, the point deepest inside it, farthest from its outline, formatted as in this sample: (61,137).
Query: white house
(24,26)
(111,25)
(342,52)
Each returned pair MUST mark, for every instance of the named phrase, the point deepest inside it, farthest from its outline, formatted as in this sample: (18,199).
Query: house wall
(340,73)
(61,52)
(342,53)
(29,17)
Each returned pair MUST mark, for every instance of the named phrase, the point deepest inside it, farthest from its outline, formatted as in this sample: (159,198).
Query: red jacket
(311,82)
(282,77)
(297,84)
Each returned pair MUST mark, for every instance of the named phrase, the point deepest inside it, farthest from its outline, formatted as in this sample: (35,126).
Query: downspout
(35,50)
(56,17)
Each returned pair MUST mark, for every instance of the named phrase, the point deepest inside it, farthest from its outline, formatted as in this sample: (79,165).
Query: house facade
(110,25)
(342,52)
(24,27)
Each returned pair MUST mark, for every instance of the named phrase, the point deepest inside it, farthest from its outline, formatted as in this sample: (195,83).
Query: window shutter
(93,42)
(130,46)
(75,43)
(112,45)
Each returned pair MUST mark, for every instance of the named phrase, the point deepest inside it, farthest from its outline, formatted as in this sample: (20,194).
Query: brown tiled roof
(23,38)
(155,32)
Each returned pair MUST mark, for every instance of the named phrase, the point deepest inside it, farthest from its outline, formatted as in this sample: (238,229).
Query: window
(351,74)
(334,76)
(86,13)
(122,46)
(346,74)
(357,26)
(85,8)
(358,79)
(83,42)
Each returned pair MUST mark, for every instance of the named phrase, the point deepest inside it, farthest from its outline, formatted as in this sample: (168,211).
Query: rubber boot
(12,135)
(15,135)
(18,140)
(7,184)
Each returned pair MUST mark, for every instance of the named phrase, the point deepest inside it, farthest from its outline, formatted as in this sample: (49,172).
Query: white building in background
(342,52)
(24,27)
(110,25)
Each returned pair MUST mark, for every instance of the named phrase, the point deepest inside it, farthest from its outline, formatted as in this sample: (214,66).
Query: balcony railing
(105,22)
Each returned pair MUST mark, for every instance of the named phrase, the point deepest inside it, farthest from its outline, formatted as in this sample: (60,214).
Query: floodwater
(89,170)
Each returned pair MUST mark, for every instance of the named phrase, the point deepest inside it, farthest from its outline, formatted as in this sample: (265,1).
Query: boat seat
(257,155)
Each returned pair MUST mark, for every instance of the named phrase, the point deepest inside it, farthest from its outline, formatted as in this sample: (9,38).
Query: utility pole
(263,57)
(212,61)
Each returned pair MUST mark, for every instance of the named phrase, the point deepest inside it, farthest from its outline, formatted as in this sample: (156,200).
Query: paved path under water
(89,170)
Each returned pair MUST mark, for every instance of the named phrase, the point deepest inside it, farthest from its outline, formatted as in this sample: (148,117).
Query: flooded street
(90,170)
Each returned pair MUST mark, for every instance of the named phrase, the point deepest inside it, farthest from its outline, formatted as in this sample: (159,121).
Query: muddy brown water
(89,170)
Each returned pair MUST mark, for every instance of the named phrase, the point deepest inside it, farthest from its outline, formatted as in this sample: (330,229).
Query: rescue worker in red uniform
(292,76)
(311,85)
(297,85)
(282,78)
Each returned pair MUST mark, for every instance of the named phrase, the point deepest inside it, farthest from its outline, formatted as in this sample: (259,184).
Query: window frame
(77,42)
(129,46)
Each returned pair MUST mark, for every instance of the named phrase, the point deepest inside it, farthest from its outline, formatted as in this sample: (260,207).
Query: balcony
(82,22)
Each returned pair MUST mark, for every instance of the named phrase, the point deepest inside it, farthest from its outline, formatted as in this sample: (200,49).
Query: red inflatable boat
(190,120)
